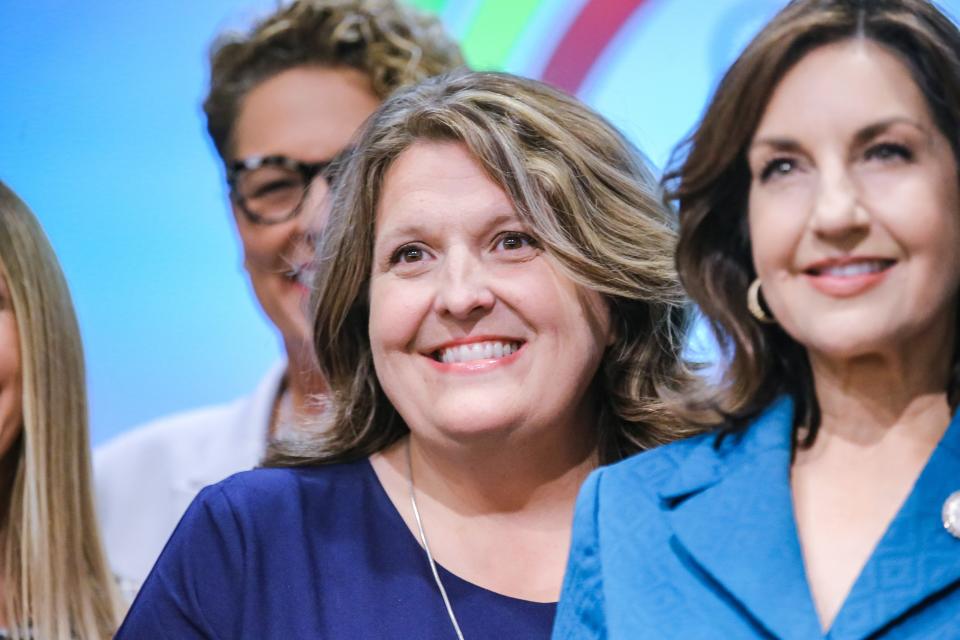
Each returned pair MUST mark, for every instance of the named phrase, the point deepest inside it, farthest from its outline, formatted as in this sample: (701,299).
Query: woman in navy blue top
(312,552)
(496,312)
(820,232)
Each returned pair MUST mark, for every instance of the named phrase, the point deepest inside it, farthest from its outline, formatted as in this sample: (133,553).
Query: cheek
(9,346)
(934,242)
(264,246)
(591,321)
(10,389)
(776,219)
(397,308)
(553,303)
(599,320)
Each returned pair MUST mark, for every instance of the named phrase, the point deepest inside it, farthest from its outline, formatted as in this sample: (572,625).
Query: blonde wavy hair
(589,199)
(393,45)
(56,584)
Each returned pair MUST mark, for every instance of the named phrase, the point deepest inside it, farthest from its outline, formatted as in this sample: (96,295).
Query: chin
(842,335)
(292,330)
(847,345)
(470,428)
(291,322)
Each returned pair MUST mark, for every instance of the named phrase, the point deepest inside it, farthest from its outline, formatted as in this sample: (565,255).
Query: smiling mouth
(851,269)
(487,350)
(301,275)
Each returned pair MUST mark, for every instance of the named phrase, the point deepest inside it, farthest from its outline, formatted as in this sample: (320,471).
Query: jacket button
(951,514)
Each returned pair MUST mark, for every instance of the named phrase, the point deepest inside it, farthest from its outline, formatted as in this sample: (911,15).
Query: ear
(612,334)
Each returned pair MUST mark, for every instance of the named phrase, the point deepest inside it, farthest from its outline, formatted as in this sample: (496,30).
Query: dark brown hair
(709,180)
(390,43)
(591,202)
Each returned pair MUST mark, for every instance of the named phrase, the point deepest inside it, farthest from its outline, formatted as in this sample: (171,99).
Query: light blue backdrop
(100,132)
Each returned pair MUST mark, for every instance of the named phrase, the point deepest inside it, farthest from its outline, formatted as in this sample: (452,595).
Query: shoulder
(618,527)
(149,474)
(180,432)
(681,468)
(651,471)
(287,494)
(200,435)
(702,459)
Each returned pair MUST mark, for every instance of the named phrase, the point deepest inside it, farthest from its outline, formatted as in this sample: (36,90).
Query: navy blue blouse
(317,552)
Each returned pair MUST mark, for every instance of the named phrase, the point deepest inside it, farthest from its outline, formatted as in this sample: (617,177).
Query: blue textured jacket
(694,540)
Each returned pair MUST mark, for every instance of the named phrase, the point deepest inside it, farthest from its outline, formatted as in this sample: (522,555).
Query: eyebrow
(873,130)
(862,136)
(417,228)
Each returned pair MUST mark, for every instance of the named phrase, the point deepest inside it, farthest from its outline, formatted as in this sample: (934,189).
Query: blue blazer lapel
(731,511)
(917,558)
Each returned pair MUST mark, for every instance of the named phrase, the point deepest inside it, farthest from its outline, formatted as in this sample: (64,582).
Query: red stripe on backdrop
(581,46)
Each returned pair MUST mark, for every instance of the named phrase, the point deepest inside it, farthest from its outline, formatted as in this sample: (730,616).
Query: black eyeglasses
(271,189)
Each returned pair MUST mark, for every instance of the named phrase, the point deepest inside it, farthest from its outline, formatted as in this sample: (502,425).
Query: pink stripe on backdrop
(581,46)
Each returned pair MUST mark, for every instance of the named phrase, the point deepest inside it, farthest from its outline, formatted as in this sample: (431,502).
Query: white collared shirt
(146,477)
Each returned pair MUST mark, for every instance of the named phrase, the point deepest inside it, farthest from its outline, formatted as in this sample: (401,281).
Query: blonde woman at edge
(55,582)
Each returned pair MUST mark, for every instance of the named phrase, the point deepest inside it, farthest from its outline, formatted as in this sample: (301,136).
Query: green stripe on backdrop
(495,30)
(433,6)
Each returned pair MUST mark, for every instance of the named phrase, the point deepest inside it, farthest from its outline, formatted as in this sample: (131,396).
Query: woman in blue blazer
(820,224)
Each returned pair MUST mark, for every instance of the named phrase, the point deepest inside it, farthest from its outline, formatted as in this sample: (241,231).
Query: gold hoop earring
(753,304)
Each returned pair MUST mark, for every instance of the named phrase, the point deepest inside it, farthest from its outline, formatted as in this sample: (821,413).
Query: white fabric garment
(146,478)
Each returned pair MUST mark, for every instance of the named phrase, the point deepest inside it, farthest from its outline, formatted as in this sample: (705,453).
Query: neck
(506,496)
(863,398)
(505,474)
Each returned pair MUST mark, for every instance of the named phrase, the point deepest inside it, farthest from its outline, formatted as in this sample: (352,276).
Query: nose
(838,209)
(463,289)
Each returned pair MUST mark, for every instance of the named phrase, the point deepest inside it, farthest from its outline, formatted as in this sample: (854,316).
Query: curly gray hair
(393,45)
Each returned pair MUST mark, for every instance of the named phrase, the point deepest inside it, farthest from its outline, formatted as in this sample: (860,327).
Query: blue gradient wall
(101,133)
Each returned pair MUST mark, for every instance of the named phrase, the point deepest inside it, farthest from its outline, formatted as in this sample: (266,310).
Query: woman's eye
(407,254)
(887,151)
(777,167)
(513,241)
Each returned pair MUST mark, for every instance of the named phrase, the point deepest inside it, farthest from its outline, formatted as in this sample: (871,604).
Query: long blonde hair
(592,203)
(56,582)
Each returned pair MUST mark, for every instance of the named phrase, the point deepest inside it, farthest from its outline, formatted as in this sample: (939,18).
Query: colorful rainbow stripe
(511,34)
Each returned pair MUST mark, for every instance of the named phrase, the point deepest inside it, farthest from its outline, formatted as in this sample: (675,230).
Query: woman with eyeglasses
(497,313)
(284,101)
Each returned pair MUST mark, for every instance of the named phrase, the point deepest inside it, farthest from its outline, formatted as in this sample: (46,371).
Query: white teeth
(855,269)
(478,351)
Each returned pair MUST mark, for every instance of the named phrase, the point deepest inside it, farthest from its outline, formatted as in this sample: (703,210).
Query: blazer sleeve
(580,614)
(195,588)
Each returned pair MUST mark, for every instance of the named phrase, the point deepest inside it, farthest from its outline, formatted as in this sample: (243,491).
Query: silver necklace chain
(426,547)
